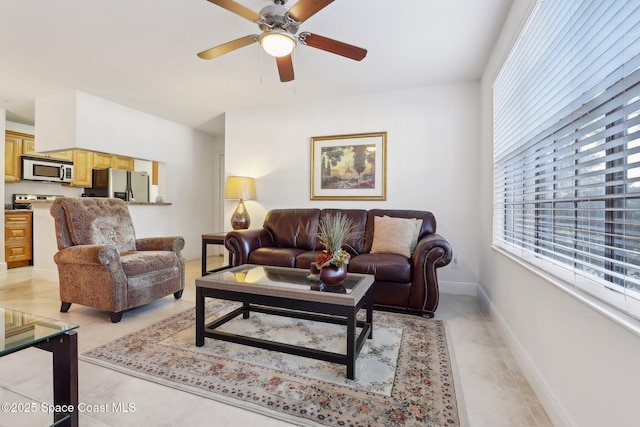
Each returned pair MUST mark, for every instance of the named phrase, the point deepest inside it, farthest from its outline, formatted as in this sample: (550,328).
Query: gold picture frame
(349,167)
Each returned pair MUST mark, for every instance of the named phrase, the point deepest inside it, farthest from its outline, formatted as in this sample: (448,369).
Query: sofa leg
(178,295)
(116,317)
(65,307)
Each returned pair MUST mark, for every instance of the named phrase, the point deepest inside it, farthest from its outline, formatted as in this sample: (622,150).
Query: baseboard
(456,288)
(3,266)
(544,393)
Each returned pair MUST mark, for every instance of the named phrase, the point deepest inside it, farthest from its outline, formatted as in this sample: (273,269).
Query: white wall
(583,366)
(432,151)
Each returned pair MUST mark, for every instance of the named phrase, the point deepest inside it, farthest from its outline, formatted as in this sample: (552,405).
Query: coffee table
(24,330)
(288,292)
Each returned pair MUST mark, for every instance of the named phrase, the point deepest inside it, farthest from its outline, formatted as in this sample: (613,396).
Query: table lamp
(240,188)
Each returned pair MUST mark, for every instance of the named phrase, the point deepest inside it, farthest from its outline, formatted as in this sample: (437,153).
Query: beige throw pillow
(395,235)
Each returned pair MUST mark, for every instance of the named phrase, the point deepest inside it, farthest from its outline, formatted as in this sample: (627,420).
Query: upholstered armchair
(102,265)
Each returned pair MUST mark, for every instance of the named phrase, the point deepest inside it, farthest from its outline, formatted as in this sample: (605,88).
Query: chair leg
(178,295)
(116,317)
(65,307)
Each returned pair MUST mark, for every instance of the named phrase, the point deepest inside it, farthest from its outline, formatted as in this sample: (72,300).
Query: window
(567,147)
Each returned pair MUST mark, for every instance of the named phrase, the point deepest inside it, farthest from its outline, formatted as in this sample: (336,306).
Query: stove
(24,201)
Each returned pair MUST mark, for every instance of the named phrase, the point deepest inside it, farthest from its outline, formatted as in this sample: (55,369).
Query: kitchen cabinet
(17,238)
(29,149)
(120,162)
(82,168)
(84,161)
(103,161)
(12,152)
(18,144)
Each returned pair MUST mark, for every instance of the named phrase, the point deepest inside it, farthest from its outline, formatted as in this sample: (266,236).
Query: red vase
(332,275)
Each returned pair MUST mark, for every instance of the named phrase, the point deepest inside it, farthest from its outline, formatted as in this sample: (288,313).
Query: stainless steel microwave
(50,170)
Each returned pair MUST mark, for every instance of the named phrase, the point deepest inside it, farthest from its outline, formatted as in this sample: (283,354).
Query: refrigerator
(120,183)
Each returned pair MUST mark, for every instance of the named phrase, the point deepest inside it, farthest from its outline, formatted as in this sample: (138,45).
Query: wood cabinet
(17,238)
(12,152)
(29,149)
(82,168)
(120,162)
(84,161)
(18,144)
(101,160)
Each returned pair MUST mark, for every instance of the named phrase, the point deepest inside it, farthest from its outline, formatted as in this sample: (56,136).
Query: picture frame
(349,167)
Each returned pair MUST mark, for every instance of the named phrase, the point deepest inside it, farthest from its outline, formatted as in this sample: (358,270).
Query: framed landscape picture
(349,167)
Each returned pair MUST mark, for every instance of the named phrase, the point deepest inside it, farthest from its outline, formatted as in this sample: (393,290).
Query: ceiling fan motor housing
(274,17)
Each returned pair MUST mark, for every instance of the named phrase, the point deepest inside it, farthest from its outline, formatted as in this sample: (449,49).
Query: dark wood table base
(65,377)
(316,311)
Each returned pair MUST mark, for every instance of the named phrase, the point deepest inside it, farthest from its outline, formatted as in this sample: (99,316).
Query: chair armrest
(172,243)
(242,242)
(87,255)
(432,251)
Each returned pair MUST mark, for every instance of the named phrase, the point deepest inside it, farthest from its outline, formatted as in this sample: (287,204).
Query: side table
(213,239)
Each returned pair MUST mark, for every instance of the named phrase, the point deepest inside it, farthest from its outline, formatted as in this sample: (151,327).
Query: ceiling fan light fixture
(277,43)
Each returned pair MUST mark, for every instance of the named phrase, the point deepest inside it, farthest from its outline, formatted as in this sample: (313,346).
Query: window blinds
(567,147)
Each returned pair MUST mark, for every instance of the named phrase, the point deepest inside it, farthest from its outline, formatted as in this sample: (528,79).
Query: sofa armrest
(92,275)
(242,242)
(432,252)
(87,255)
(173,243)
(437,247)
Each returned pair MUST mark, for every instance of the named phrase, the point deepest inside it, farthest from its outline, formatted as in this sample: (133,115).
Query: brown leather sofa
(289,239)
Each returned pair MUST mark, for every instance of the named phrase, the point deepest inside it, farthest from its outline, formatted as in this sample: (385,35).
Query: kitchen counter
(150,203)
(42,202)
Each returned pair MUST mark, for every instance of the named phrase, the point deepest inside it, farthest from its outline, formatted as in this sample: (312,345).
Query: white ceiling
(142,53)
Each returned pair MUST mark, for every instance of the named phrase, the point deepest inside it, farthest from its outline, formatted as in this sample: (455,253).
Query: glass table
(20,330)
(288,292)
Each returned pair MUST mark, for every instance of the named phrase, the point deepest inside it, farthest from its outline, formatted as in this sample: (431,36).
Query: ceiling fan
(279,25)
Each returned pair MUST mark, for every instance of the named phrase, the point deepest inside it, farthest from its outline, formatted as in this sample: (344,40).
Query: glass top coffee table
(288,292)
(19,330)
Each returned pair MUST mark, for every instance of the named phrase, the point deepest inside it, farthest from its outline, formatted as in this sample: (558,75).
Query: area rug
(403,375)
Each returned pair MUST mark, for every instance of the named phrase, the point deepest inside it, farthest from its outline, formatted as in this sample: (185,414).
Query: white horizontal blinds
(567,146)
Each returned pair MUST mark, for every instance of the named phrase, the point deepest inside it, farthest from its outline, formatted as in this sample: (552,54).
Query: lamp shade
(240,188)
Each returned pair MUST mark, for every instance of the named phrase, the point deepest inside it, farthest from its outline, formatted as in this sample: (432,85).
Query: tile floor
(494,390)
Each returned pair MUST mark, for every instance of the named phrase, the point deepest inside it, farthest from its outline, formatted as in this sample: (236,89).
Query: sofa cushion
(305,259)
(395,235)
(99,221)
(136,263)
(293,228)
(279,257)
(388,267)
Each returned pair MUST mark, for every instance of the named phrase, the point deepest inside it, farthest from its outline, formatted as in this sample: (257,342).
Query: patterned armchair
(102,265)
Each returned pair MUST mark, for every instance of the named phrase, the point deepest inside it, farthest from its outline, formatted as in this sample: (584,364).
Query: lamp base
(240,219)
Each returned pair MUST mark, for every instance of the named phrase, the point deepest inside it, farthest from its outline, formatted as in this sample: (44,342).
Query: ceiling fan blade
(238,9)
(285,68)
(228,47)
(333,46)
(305,9)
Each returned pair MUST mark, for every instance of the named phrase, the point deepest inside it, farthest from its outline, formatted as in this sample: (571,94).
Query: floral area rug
(403,374)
